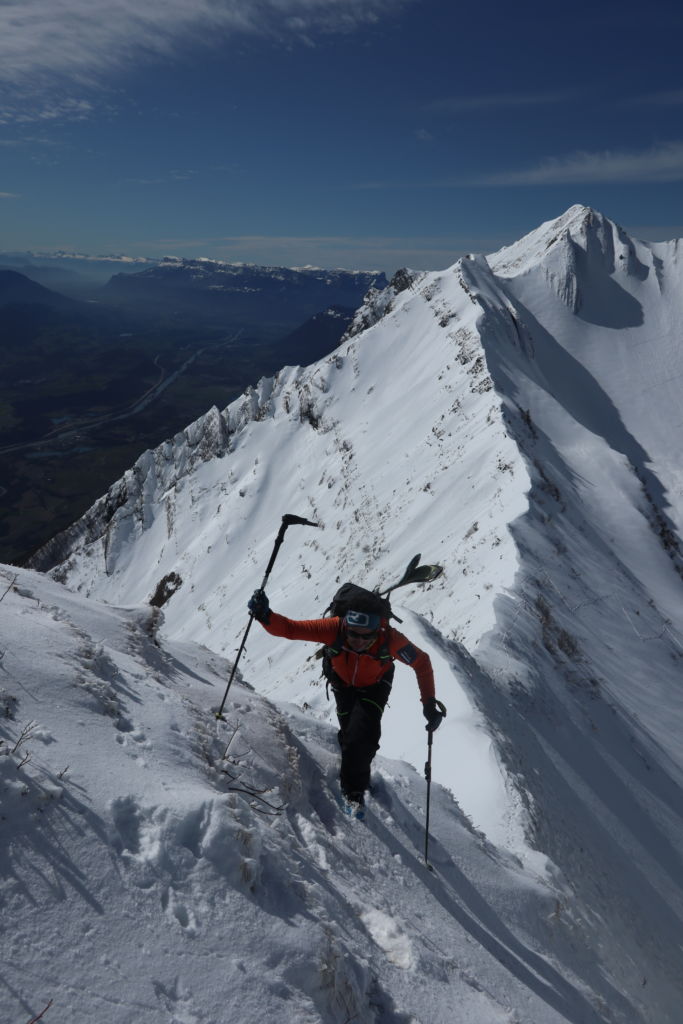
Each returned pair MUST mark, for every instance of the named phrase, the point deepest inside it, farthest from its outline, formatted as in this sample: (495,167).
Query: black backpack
(351,597)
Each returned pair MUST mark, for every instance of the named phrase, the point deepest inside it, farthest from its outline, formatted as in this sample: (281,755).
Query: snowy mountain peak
(579,226)
(590,263)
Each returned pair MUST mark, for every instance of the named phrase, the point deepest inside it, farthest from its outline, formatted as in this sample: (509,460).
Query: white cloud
(662,163)
(84,39)
(9,195)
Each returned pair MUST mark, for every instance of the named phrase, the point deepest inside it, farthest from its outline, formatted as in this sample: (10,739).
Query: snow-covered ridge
(347,412)
(389,453)
(516,418)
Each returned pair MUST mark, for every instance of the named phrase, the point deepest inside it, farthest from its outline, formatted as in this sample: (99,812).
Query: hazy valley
(90,379)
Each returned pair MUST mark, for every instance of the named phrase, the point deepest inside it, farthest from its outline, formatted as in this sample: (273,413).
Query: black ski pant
(359,710)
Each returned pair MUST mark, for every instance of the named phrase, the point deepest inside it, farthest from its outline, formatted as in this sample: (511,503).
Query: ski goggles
(362,622)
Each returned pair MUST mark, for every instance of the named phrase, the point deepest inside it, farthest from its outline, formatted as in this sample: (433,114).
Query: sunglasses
(361,636)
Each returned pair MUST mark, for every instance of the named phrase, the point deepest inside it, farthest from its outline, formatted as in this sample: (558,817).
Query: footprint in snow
(179,911)
(176,1000)
(310,837)
(139,829)
(387,934)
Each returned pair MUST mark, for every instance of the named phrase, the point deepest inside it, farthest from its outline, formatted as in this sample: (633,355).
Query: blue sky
(355,133)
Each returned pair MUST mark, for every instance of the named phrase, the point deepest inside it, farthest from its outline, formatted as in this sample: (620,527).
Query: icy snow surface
(515,418)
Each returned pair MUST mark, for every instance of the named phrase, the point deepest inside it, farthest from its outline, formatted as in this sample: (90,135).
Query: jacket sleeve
(406,653)
(319,631)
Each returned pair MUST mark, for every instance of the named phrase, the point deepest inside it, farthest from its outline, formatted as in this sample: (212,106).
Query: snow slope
(515,418)
(158,865)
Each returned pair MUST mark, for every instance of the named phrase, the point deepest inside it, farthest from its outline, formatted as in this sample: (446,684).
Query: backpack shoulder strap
(384,654)
(333,649)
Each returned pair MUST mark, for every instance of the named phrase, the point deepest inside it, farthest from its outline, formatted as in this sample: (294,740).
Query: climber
(358,661)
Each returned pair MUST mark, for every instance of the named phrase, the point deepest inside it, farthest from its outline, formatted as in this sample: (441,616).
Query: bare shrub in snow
(39,1016)
(26,733)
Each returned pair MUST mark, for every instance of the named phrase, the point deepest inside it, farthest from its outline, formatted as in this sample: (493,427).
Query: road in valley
(76,426)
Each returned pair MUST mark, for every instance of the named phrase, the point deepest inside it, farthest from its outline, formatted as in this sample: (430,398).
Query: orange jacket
(356,669)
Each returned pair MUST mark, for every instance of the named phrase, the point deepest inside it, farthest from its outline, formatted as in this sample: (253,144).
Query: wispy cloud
(37,110)
(672,98)
(496,101)
(9,195)
(82,40)
(659,164)
(169,177)
(25,141)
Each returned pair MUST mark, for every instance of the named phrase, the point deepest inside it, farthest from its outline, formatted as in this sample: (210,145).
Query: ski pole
(287,520)
(428,777)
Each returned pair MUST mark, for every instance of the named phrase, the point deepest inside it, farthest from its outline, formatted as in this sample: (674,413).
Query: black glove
(434,711)
(259,607)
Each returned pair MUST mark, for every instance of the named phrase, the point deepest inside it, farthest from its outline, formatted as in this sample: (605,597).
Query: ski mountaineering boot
(353,804)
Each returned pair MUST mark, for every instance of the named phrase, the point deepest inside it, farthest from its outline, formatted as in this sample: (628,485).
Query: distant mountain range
(244,292)
(221,294)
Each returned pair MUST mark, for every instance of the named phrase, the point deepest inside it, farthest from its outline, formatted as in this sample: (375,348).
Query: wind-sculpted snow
(515,418)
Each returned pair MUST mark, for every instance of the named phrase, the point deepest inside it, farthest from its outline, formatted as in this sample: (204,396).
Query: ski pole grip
(289,520)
